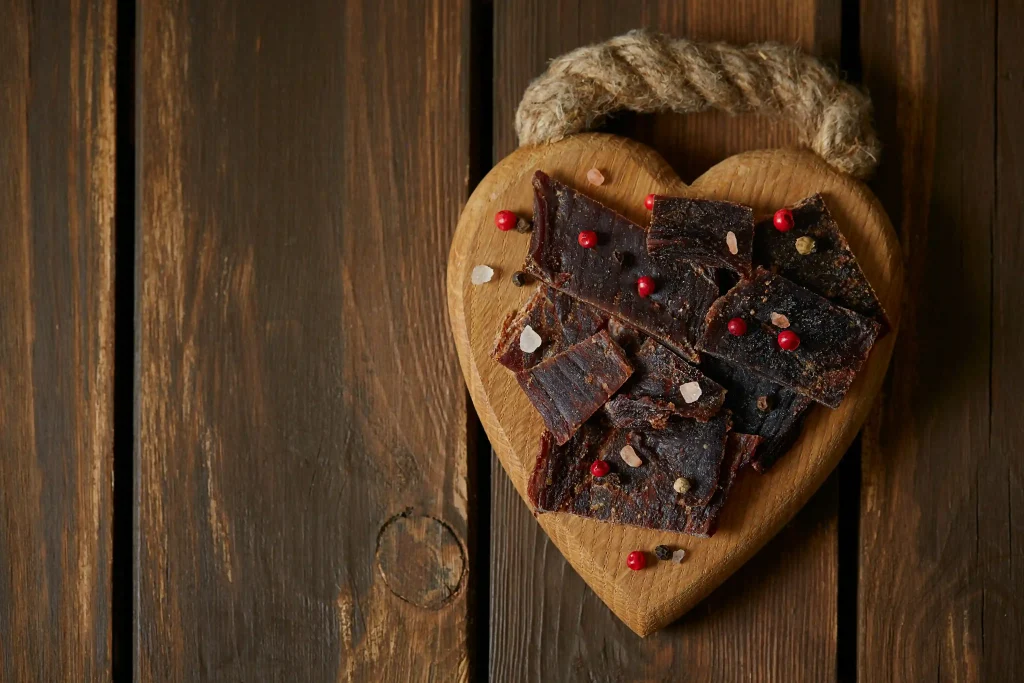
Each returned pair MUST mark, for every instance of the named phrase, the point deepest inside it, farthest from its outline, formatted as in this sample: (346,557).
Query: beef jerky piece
(698,230)
(760,407)
(626,336)
(834,341)
(828,268)
(747,445)
(739,450)
(606,275)
(559,319)
(689,449)
(625,412)
(662,375)
(654,392)
(569,387)
(764,458)
(641,496)
(561,479)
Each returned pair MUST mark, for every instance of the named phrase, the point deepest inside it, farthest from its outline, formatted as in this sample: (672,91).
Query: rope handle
(647,72)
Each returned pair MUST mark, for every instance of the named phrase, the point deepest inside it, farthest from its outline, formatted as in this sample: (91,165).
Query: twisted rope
(645,72)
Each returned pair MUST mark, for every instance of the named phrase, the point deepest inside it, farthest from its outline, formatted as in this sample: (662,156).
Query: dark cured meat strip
(761,407)
(652,393)
(561,479)
(831,270)
(559,319)
(764,458)
(629,338)
(739,450)
(834,341)
(695,230)
(641,496)
(569,387)
(627,412)
(747,446)
(686,448)
(606,275)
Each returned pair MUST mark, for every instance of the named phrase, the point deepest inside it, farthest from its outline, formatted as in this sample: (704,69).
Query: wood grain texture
(547,625)
(1002,550)
(540,607)
(941,516)
(765,180)
(56,339)
(302,434)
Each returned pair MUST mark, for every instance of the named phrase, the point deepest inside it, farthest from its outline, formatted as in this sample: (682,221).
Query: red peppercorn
(599,468)
(649,201)
(505,220)
(783,220)
(587,239)
(789,340)
(636,560)
(645,285)
(737,327)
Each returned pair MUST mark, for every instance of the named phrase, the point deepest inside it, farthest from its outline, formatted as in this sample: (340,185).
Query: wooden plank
(1002,549)
(302,429)
(56,339)
(546,624)
(940,568)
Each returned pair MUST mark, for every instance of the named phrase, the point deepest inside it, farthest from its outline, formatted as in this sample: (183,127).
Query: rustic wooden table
(234,440)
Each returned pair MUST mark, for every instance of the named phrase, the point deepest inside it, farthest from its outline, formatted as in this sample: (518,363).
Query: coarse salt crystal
(529,340)
(595,177)
(681,485)
(630,457)
(678,556)
(481,274)
(779,320)
(691,391)
(730,241)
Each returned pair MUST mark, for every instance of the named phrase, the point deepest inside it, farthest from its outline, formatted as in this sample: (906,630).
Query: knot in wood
(421,559)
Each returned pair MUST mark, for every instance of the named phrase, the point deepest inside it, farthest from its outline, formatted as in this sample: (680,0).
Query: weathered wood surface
(542,614)
(941,558)
(56,339)
(302,431)
(299,178)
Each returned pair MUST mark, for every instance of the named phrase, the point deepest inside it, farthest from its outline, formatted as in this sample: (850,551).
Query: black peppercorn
(519,278)
(663,552)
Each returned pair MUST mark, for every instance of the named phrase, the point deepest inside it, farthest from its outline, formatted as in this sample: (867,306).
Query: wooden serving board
(759,504)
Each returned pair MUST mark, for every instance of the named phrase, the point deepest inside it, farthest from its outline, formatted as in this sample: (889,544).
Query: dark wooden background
(234,440)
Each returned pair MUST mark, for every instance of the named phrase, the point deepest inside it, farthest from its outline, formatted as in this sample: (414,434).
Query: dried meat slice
(834,341)
(641,496)
(606,275)
(822,261)
(690,449)
(759,407)
(561,479)
(740,449)
(557,318)
(706,232)
(663,384)
(628,412)
(626,336)
(569,387)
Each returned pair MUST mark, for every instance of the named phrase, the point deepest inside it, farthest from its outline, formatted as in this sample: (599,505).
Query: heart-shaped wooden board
(760,504)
